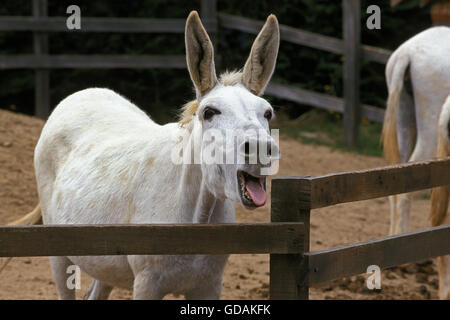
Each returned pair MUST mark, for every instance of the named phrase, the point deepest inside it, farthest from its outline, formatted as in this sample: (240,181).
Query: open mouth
(252,189)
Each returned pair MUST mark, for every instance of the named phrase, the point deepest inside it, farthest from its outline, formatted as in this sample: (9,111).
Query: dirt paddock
(246,276)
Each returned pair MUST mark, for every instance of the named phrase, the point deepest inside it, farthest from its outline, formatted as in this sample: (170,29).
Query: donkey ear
(260,64)
(199,55)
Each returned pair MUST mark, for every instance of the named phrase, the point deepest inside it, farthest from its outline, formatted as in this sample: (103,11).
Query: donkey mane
(228,78)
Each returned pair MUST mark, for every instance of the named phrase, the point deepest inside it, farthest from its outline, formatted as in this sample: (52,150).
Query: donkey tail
(439,195)
(395,73)
(34,217)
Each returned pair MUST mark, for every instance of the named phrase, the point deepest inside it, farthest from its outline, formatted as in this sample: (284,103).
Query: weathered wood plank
(290,202)
(303,96)
(344,187)
(75,240)
(348,260)
(42,76)
(373,113)
(92,61)
(375,54)
(293,35)
(319,100)
(90,24)
(351,73)
(209,13)
(145,25)
(301,37)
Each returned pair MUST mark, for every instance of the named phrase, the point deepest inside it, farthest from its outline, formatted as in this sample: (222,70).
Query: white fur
(101,160)
(444,119)
(427,55)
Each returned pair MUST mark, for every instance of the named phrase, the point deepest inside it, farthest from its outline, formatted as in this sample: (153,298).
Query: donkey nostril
(269,149)
(247,148)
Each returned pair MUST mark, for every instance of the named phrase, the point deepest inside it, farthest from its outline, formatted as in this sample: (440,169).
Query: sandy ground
(246,276)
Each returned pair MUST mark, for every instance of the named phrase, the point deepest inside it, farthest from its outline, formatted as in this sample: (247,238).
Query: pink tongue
(257,192)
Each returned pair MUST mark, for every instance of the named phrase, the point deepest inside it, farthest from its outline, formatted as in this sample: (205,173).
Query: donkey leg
(210,292)
(406,137)
(404,201)
(424,149)
(444,277)
(443,264)
(145,286)
(393,217)
(98,291)
(403,209)
(59,267)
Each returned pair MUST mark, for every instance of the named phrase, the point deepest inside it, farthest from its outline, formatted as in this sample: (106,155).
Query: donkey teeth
(242,176)
(242,180)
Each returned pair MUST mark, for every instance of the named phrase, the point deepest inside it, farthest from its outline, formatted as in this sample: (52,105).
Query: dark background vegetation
(161,91)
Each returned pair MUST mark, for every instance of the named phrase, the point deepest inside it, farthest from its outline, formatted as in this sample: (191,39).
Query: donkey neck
(195,196)
(194,192)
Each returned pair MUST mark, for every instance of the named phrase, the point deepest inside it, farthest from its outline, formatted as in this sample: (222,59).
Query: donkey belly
(205,272)
(176,274)
(182,274)
(113,270)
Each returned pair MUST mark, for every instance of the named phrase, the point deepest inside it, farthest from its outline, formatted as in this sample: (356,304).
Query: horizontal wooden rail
(351,186)
(352,259)
(88,24)
(146,25)
(304,96)
(320,100)
(287,33)
(91,61)
(375,54)
(89,240)
(309,39)
(380,182)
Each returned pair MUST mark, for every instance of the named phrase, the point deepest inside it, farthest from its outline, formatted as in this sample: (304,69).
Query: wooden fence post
(289,272)
(351,27)
(209,13)
(42,78)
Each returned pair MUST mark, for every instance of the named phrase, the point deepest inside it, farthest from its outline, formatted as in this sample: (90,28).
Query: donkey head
(231,117)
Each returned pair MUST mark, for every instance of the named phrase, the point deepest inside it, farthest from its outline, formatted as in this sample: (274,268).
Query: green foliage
(318,70)
(161,91)
(325,128)
(158,91)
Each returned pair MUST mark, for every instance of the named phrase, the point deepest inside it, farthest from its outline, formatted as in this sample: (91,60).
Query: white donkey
(101,160)
(439,199)
(418,79)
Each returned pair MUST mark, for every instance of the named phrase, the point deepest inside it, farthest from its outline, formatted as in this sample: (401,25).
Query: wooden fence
(350,47)
(293,268)
(293,198)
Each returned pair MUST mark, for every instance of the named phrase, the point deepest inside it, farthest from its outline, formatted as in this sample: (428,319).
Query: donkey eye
(209,113)
(268,115)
